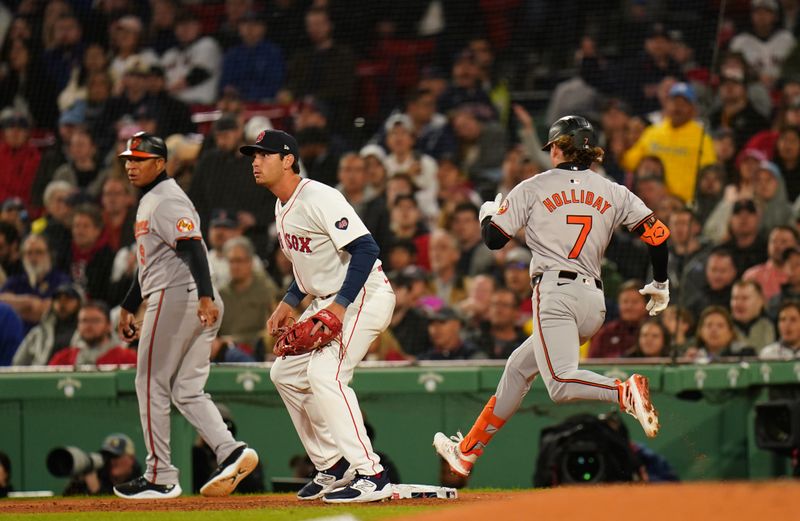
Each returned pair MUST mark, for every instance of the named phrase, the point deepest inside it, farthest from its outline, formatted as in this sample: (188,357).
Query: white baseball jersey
(314,226)
(165,216)
(569,217)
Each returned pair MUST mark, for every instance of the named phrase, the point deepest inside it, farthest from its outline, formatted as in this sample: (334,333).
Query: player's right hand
(126,328)
(659,296)
(489,208)
(279,317)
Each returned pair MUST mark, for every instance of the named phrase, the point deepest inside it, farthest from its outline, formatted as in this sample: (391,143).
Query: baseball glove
(304,337)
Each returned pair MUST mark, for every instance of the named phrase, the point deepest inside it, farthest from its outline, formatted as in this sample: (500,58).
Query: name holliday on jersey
(587,197)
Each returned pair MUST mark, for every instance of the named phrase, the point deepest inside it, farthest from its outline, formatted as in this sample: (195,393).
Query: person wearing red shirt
(19,158)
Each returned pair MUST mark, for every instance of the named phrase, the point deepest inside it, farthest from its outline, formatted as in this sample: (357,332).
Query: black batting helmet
(145,146)
(577,127)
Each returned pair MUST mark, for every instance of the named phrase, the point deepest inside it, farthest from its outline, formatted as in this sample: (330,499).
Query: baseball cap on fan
(146,146)
(274,142)
(118,444)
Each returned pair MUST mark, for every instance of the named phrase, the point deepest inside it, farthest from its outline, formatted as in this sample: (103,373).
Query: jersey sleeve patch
(503,207)
(185,225)
(653,232)
(342,223)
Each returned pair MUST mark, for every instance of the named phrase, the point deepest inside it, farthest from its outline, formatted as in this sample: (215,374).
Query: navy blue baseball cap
(274,142)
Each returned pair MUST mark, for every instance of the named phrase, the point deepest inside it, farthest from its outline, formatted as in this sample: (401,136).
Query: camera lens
(583,465)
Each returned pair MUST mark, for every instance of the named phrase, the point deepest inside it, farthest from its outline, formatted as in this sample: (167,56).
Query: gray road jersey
(569,217)
(165,216)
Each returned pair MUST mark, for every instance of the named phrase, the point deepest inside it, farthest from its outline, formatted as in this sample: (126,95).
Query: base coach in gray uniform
(183,315)
(569,214)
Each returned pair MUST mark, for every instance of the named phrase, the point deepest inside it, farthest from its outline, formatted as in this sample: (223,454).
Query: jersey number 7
(586,226)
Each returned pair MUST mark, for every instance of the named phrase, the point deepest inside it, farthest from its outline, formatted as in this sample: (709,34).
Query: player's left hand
(207,311)
(337,309)
(489,208)
(659,296)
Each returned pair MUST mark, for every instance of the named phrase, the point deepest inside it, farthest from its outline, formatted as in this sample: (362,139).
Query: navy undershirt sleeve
(192,252)
(294,295)
(364,251)
(492,236)
(133,299)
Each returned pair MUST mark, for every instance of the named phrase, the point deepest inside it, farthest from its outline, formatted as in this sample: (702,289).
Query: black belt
(571,275)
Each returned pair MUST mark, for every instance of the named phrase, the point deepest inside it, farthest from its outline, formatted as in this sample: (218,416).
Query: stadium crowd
(407,111)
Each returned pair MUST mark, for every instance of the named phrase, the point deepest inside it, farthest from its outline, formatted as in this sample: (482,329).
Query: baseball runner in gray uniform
(183,315)
(569,214)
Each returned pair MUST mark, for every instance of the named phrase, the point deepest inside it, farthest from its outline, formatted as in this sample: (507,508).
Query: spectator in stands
(444,253)
(325,70)
(736,112)
(228,31)
(409,325)
(725,149)
(400,254)
(770,195)
(742,187)
(54,225)
(517,166)
(770,275)
(765,44)
(481,146)
(96,344)
(94,62)
(475,307)
(465,88)
(223,179)
(256,68)
(434,136)
(617,337)
(11,333)
(475,257)
(14,212)
(19,157)
(222,227)
(375,162)
(81,169)
(444,328)
(406,223)
(516,277)
(192,67)
(680,324)
(678,141)
(319,159)
(714,287)
(642,74)
(790,290)
(746,243)
(24,83)
(119,455)
(710,185)
(500,335)
(404,159)
(54,156)
(749,319)
(686,245)
(119,212)
(248,297)
(787,346)
(717,338)
(57,329)
(454,188)
(653,340)
(29,293)
(134,95)
(161,31)
(171,114)
(386,348)
(66,52)
(10,256)
(91,258)
(362,196)
(125,35)
(787,159)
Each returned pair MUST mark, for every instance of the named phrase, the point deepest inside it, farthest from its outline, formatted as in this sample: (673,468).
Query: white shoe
(449,448)
(634,398)
(231,472)
(364,489)
(324,481)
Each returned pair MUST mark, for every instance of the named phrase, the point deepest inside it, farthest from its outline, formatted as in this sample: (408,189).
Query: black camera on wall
(72,461)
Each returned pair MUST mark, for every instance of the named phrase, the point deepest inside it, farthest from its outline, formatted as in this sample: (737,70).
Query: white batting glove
(489,208)
(659,296)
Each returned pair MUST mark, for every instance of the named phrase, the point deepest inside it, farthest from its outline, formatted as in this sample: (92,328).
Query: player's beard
(36,273)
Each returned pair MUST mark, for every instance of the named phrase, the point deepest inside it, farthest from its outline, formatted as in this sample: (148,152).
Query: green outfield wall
(707,417)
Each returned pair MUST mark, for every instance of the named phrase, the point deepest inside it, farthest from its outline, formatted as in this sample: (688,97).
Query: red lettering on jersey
(549,205)
(574,199)
(598,203)
(557,200)
(589,198)
(141,228)
(606,206)
(293,242)
(304,244)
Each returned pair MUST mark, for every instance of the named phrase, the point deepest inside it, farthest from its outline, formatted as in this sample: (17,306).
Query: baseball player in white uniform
(569,214)
(334,259)
(183,315)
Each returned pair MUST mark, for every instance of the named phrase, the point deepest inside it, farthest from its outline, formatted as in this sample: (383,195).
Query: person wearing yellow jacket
(677,142)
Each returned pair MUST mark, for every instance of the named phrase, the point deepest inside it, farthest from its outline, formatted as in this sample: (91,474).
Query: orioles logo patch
(184,225)
(261,136)
(135,142)
(503,208)
(342,223)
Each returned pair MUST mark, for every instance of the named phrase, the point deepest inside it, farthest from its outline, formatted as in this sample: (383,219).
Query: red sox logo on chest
(294,242)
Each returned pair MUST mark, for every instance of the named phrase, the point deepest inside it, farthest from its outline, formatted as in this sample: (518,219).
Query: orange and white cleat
(634,398)
(449,448)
